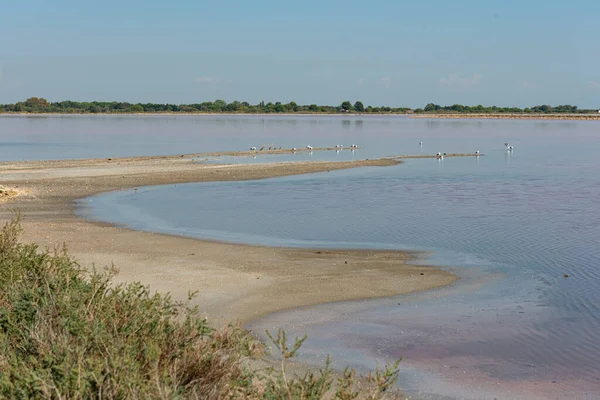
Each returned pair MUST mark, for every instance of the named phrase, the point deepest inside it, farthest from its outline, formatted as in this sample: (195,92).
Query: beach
(232,282)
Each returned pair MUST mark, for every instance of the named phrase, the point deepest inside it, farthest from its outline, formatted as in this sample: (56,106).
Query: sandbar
(232,281)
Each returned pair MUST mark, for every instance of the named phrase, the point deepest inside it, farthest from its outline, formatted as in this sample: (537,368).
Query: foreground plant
(66,332)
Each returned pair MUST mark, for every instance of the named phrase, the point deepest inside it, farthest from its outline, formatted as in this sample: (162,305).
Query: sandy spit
(234,282)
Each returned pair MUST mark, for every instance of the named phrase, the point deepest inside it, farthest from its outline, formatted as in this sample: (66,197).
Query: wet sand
(234,282)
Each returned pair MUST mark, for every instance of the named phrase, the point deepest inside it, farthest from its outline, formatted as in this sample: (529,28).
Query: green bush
(68,332)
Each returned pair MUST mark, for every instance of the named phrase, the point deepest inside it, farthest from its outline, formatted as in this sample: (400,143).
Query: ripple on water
(527,221)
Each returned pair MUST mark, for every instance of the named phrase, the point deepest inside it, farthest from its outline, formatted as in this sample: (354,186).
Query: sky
(381,52)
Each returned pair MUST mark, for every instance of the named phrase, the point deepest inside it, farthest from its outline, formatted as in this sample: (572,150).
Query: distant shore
(582,117)
(536,116)
(200,114)
(233,281)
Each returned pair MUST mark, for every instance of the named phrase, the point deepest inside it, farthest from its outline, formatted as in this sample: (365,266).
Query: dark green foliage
(359,107)
(41,106)
(70,333)
(346,106)
(459,108)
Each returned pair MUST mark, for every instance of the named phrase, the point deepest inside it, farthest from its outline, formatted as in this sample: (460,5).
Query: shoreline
(234,281)
(558,117)
(564,117)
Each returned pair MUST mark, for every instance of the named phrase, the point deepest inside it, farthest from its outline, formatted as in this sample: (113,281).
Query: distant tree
(36,102)
(218,105)
(292,106)
(233,106)
(346,106)
(431,107)
(359,107)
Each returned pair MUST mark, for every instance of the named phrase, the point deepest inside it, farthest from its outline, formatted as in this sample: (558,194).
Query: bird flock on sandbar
(440,156)
(338,147)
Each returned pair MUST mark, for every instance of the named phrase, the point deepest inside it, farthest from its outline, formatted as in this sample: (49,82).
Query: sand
(233,282)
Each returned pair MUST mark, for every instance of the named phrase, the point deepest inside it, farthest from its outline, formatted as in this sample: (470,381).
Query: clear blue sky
(393,52)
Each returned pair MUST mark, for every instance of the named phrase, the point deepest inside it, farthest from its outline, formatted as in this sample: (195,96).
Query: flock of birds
(440,156)
(338,147)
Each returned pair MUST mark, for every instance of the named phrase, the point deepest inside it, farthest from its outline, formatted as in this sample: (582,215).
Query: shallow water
(511,224)
(61,137)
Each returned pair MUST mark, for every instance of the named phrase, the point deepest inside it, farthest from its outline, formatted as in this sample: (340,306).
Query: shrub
(68,332)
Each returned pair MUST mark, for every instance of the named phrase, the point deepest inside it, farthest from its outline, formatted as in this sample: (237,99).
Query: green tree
(359,107)
(346,106)
(431,107)
(218,105)
(292,106)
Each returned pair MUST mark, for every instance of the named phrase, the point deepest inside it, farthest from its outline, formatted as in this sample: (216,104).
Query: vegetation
(40,105)
(70,333)
(459,108)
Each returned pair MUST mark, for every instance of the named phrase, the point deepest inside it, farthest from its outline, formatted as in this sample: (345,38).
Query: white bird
(477,152)
(420,143)
(354,146)
(294,149)
(309,147)
(252,148)
(508,147)
(438,154)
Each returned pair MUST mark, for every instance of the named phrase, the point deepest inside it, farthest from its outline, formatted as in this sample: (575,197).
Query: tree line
(41,105)
(459,108)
